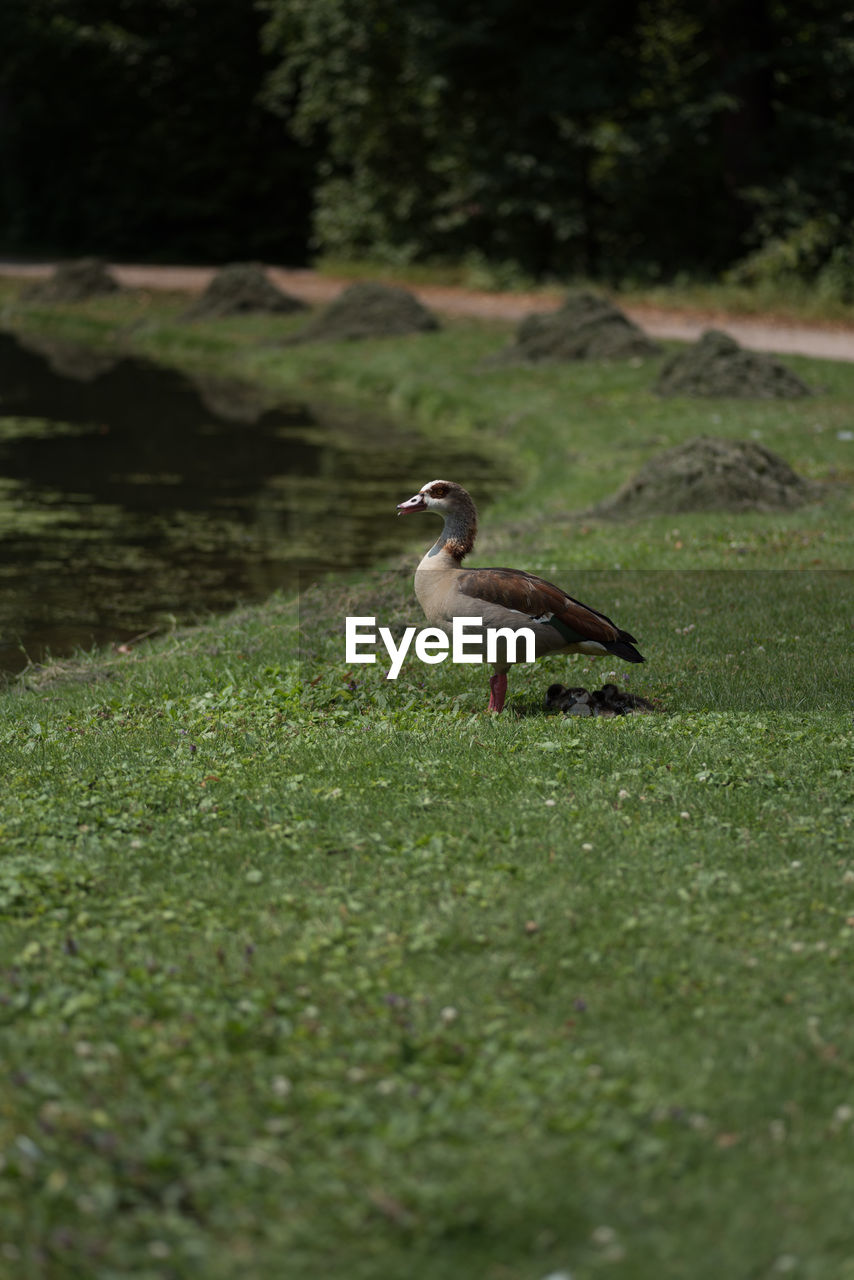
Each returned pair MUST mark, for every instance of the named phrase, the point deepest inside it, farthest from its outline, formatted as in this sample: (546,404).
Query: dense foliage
(593,138)
(132,127)
(632,138)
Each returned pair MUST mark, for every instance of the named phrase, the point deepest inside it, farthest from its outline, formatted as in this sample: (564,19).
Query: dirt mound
(607,701)
(718,366)
(240,288)
(710,474)
(74,281)
(370,310)
(586,327)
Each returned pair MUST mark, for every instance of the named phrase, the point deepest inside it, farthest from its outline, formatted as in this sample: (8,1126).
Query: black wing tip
(622,649)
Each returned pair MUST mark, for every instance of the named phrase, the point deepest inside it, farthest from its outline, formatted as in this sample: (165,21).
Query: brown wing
(539,599)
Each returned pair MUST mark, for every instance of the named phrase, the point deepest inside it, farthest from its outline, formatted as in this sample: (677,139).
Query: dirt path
(831,342)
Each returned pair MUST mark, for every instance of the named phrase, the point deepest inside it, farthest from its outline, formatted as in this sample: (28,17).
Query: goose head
(442,496)
(453,504)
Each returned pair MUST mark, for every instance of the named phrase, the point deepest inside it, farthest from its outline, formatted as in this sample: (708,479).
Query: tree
(447,125)
(134,126)
(628,135)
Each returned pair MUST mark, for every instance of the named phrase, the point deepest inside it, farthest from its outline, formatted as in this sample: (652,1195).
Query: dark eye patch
(438,490)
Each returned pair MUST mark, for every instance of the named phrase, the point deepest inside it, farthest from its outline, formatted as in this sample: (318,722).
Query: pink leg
(497,690)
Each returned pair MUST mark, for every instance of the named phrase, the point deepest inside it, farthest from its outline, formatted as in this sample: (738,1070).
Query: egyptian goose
(501,597)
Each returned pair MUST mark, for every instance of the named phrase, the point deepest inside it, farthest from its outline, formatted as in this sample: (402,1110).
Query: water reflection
(130,492)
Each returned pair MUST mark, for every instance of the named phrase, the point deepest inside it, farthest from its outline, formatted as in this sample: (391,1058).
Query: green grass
(305,971)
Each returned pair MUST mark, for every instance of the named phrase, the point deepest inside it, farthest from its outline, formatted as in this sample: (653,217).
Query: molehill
(717,366)
(709,474)
(586,327)
(239,289)
(74,281)
(369,310)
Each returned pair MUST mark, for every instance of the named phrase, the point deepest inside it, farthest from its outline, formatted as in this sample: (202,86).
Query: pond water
(132,495)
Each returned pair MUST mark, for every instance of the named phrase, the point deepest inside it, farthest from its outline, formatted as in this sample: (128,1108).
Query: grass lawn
(307,972)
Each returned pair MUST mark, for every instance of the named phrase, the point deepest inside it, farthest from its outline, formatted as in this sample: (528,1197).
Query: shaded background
(618,140)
